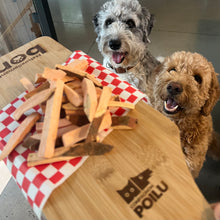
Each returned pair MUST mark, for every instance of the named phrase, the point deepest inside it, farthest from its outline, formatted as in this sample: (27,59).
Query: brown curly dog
(185,88)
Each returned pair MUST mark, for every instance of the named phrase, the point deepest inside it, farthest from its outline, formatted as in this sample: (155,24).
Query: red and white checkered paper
(37,183)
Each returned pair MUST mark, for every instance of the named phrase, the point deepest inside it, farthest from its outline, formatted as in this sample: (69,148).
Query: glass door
(21,21)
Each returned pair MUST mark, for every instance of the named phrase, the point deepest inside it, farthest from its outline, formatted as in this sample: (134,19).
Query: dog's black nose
(174,88)
(115,44)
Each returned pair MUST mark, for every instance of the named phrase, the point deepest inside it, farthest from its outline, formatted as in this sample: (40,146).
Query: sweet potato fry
(75,84)
(34,160)
(115,98)
(79,64)
(80,73)
(36,139)
(62,131)
(39,78)
(63,122)
(98,92)
(43,86)
(43,107)
(31,143)
(79,91)
(99,114)
(77,112)
(69,106)
(88,149)
(19,134)
(121,104)
(64,99)
(57,152)
(36,99)
(28,85)
(53,74)
(75,136)
(51,121)
(106,121)
(77,119)
(42,160)
(92,78)
(123,122)
(103,101)
(90,98)
(73,96)
(36,136)
(67,79)
(65,153)
(94,128)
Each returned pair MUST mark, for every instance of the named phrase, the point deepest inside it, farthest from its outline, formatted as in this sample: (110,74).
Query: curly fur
(129,25)
(185,88)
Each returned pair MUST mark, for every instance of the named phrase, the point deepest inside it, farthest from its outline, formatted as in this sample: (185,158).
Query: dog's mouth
(171,106)
(118,57)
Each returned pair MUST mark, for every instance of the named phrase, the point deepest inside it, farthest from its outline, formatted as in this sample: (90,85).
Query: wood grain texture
(91,192)
(153,146)
(46,52)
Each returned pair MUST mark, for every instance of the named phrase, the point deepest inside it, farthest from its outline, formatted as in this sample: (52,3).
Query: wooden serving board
(144,177)
(26,61)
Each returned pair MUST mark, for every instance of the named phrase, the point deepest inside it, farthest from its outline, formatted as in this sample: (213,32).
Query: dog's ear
(156,71)
(95,20)
(148,23)
(214,94)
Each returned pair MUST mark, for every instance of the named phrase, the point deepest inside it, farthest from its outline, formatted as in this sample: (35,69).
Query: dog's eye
(130,23)
(108,22)
(172,69)
(198,78)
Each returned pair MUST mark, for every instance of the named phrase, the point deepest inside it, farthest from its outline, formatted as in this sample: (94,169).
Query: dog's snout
(115,44)
(174,88)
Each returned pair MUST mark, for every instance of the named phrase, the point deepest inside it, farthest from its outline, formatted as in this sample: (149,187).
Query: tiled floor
(180,25)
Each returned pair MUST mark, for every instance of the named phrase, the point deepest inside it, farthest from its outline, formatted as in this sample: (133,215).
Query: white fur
(129,23)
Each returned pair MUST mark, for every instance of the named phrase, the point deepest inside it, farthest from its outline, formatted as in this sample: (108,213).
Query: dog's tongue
(118,57)
(170,105)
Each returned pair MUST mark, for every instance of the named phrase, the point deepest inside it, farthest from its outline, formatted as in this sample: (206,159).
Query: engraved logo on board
(140,194)
(21,59)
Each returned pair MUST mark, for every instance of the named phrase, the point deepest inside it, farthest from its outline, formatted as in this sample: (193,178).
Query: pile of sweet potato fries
(76,111)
